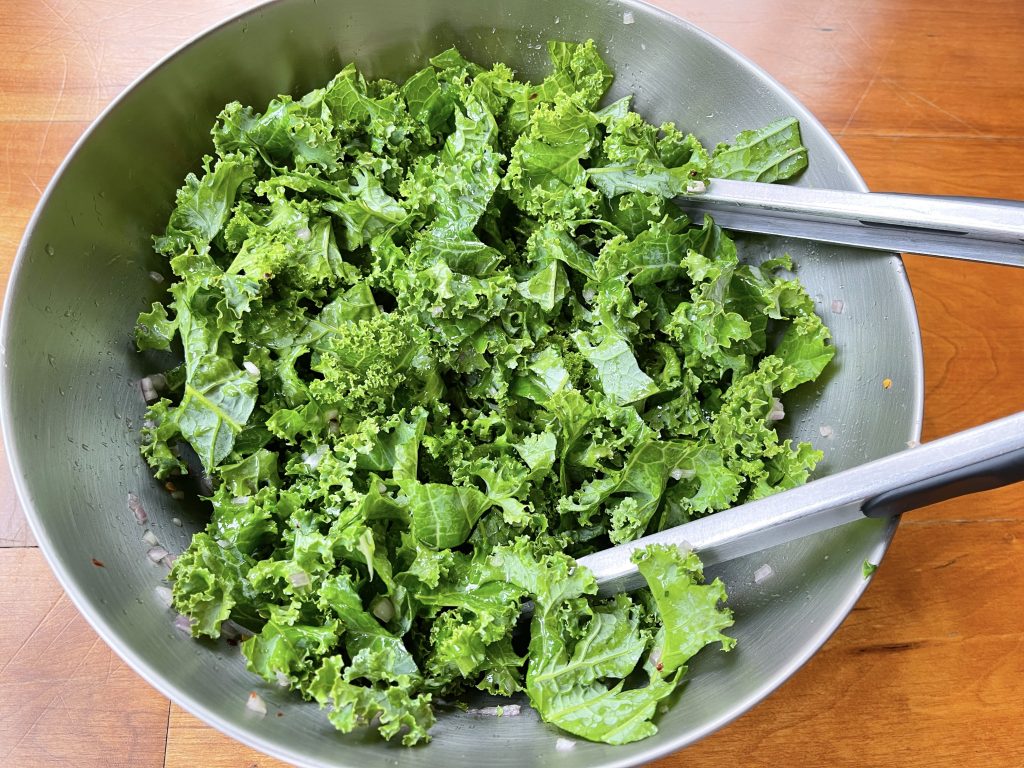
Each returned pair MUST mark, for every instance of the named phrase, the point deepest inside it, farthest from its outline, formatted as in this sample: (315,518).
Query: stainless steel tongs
(976,459)
(976,229)
(985,457)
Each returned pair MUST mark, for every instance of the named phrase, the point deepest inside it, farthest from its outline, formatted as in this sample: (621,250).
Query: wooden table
(925,96)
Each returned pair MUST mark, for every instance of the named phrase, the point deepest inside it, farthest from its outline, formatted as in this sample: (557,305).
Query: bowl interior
(72,407)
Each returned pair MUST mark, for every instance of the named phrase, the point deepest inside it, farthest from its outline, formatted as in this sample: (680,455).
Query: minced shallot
(763,573)
(256,704)
(148,392)
(164,595)
(136,507)
(383,609)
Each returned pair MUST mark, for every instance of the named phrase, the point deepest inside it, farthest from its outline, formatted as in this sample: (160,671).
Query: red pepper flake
(532,96)
(659,666)
(98,563)
(170,486)
(280,713)
(886,383)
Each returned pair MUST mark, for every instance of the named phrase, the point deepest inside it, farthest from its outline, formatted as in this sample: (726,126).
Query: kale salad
(440,338)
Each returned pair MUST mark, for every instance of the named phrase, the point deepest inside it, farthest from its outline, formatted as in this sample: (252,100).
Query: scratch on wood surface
(9,184)
(867,89)
(25,734)
(902,90)
(35,630)
(890,647)
(860,101)
(53,113)
(84,657)
(70,624)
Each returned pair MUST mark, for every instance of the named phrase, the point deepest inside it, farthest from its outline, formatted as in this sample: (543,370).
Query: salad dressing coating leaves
(438,340)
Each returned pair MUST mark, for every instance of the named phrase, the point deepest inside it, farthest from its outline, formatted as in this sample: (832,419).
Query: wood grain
(191,743)
(925,97)
(926,671)
(65,698)
(878,67)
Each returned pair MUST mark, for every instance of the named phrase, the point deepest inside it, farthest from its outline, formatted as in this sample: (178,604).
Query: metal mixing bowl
(72,408)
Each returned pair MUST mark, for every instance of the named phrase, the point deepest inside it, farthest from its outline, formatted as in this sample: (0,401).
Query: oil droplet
(52,360)
(49,249)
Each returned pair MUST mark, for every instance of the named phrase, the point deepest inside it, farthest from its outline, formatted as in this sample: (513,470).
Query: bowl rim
(251,737)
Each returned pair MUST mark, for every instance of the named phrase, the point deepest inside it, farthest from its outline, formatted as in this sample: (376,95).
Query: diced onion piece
(150,538)
(252,368)
(183,623)
(564,745)
(164,595)
(299,579)
(383,609)
(627,17)
(303,233)
(282,679)
(696,187)
(778,412)
(156,277)
(837,306)
(825,430)
(149,393)
(763,573)
(655,657)
(136,507)
(156,554)
(256,704)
